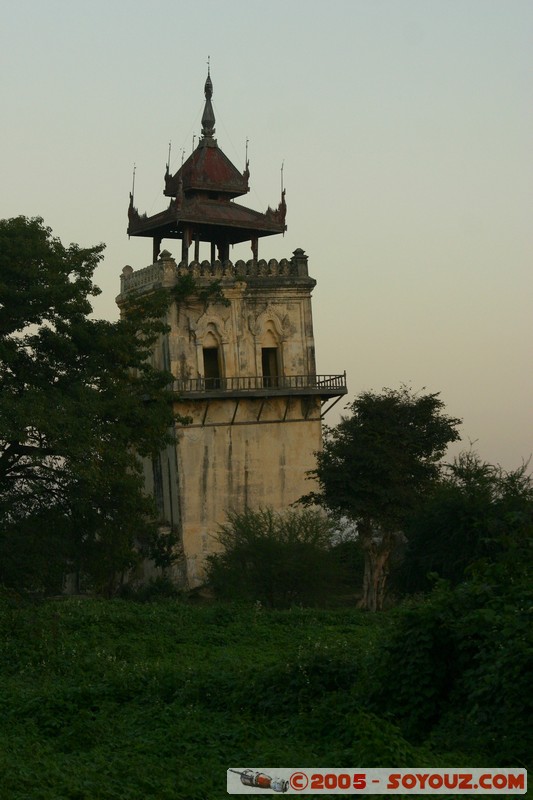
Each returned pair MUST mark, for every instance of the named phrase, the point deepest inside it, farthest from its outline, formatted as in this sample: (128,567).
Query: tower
(241,350)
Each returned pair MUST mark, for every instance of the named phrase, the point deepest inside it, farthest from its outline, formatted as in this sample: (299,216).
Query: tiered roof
(202,206)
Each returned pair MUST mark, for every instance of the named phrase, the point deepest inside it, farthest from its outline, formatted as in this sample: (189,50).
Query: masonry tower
(243,363)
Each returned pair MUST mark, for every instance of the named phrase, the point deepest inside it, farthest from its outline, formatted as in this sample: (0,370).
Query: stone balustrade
(165,271)
(136,279)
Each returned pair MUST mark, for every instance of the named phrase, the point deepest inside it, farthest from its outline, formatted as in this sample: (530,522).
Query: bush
(457,666)
(277,559)
(415,667)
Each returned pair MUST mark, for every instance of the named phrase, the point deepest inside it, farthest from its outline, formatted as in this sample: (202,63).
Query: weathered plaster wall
(240,450)
(245,465)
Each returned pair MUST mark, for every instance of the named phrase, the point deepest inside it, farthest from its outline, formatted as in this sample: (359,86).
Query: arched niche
(210,338)
(270,355)
(212,359)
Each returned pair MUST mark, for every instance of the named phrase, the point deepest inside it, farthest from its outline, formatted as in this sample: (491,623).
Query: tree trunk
(378,548)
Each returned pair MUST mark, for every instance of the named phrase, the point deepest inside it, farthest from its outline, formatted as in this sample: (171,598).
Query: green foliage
(377,462)
(79,400)
(40,280)
(416,667)
(475,512)
(109,699)
(158,588)
(277,559)
(376,466)
(492,702)
(458,665)
(114,699)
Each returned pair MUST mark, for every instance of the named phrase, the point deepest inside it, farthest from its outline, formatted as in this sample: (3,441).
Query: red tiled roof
(208,169)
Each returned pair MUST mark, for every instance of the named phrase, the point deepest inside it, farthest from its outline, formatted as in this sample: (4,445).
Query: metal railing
(301,384)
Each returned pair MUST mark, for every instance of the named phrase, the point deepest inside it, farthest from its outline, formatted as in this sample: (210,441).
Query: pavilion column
(185,243)
(157,248)
(254,244)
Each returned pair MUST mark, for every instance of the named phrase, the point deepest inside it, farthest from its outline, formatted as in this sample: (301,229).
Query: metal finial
(208,117)
(168,162)
(133,183)
(208,88)
(282,165)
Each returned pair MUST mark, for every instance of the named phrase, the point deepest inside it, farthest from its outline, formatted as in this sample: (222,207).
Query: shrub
(278,559)
(160,588)
(457,667)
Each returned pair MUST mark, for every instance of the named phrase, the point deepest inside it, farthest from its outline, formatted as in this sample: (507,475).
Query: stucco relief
(253,325)
(210,322)
(270,318)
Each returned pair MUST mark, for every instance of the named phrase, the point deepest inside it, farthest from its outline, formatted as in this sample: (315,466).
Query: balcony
(323,386)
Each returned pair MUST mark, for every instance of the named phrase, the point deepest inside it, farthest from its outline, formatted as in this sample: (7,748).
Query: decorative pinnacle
(208,117)
(208,88)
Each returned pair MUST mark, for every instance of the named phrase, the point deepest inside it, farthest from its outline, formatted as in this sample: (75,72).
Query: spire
(208,117)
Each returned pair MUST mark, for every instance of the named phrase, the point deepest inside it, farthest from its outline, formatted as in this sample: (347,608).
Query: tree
(80,402)
(375,467)
(477,512)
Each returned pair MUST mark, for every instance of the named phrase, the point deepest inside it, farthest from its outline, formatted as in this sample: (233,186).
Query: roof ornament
(133,214)
(208,117)
(246,173)
(282,208)
(132,211)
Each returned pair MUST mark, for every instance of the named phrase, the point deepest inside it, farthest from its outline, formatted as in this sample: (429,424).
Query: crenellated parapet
(131,280)
(166,271)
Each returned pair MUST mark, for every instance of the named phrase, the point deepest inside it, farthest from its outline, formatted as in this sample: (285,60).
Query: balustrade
(326,385)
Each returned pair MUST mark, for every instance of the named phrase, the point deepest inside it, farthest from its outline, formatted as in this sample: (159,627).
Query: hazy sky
(405,128)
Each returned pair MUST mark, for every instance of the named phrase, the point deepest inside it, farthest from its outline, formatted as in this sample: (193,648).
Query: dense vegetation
(104,700)
(79,401)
